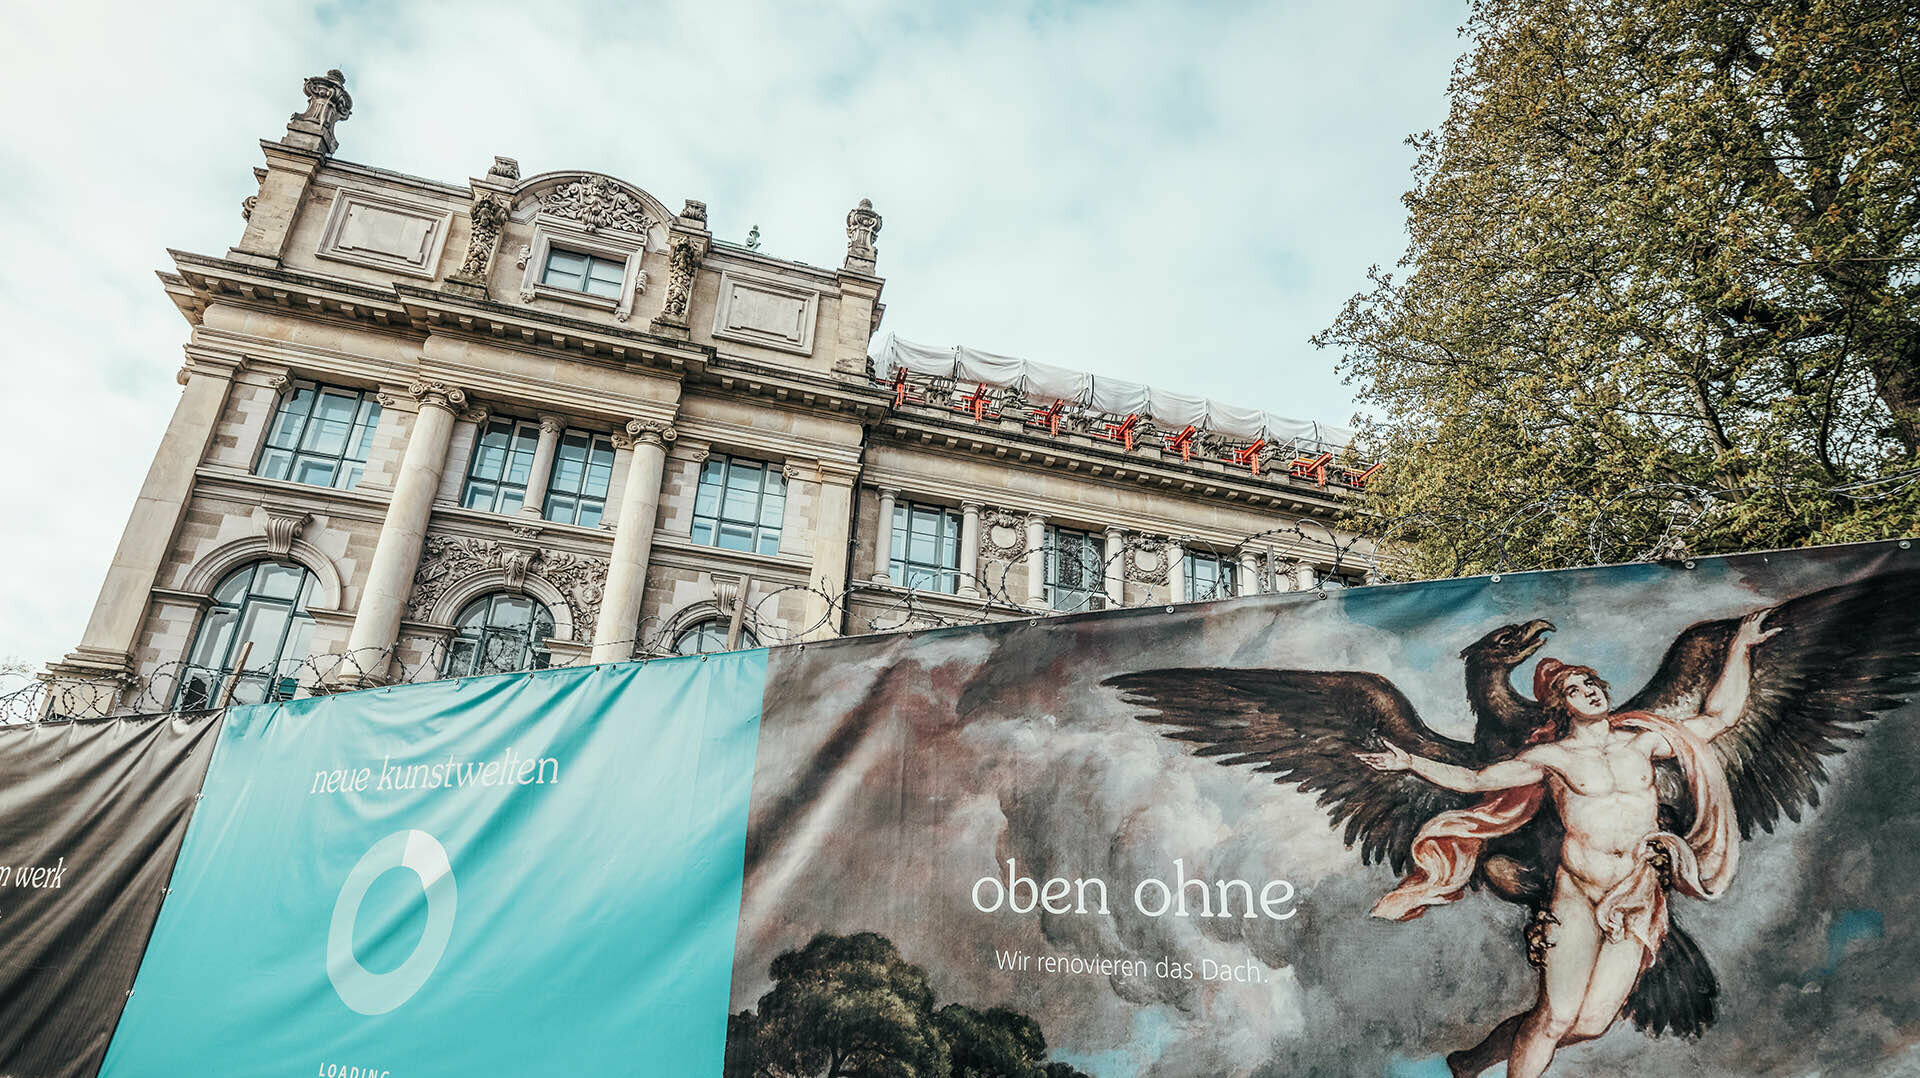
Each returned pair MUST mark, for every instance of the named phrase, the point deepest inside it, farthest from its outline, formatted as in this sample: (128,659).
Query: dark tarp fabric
(91,818)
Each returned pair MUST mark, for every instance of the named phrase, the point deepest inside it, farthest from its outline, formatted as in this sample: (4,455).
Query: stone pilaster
(1247,576)
(832,534)
(883,548)
(687,244)
(383,599)
(106,645)
(534,508)
(970,549)
(619,623)
(1036,560)
(1114,558)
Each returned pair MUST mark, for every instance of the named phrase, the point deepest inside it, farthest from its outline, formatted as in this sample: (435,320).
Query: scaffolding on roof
(1057,399)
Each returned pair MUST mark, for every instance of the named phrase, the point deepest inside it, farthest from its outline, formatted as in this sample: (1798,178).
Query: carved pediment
(597,202)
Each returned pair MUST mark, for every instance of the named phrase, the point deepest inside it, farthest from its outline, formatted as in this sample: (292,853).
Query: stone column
(105,648)
(1115,555)
(832,532)
(383,599)
(1176,572)
(883,547)
(619,624)
(1249,573)
(1303,579)
(1036,560)
(970,549)
(534,508)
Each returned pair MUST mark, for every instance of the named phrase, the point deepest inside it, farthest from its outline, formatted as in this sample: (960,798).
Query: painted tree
(841,1007)
(1658,247)
(994,1043)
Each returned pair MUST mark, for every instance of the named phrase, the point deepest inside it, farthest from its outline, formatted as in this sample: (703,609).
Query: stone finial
(504,168)
(327,104)
(753,238)
(694,213)
(863,225)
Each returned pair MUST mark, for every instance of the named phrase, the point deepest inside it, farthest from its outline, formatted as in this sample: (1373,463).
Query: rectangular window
(502,463)
(1076,570)
(739,505)
(577,488)
(596,275)
(320,436)
(926,548)
(1209,576)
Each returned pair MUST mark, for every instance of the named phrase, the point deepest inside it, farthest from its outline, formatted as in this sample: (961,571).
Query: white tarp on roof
(1044,383)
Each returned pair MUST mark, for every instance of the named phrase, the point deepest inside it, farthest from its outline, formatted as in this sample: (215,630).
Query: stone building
(433,429)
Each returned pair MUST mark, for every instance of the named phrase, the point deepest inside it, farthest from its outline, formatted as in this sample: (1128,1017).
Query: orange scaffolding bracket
(1048,417)
(1249,457)
(976,403)
(1124,432)
(1359,479)
(1314,468)
(1182,443)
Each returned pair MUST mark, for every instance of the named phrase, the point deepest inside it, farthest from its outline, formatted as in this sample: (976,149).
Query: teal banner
(526,874)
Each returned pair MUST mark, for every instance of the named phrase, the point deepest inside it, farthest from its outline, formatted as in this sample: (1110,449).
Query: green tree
(994,1043)
(1663,282)
(841,1007)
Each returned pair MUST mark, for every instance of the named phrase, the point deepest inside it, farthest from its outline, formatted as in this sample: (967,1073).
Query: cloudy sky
(1172,193)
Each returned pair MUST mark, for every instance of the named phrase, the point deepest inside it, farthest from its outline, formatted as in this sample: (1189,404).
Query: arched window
(498,634)
(263,605)
(708,636)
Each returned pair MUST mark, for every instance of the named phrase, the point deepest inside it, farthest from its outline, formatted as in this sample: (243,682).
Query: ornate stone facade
(611,440)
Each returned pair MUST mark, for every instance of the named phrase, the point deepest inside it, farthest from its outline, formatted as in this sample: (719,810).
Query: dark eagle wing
(1842,656)
(1305,727)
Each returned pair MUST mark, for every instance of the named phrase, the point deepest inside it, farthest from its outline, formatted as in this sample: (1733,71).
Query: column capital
(651,432)
(888,491)
(1115,529)
(1036,520)
(972,506)
(439,394)
(551,424)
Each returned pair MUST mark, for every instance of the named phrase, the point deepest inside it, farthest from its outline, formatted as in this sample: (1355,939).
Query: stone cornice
(215,482)
(545,331)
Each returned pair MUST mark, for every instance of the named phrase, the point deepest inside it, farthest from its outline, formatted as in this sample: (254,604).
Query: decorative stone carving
(283,527)
(515,562)
(489,216)
(474,415)
(327,104)
(682,263)
(445,561)
(1003,535)
(1148,559)
(726,592)
(278,381)
(863,225)
(246,206)
(452,398)
(552,424)
(596,203)
(694,213)
(505,169)
(651,430)
(525,530)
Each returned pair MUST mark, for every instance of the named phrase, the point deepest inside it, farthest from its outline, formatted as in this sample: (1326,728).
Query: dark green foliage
(1657,249)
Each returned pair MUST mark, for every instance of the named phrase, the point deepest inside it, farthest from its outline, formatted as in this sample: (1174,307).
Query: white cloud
(1173,194)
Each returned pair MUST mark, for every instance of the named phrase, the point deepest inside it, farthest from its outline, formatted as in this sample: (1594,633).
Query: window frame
(612,244)
(347,467)
(501,485)
(765,538)
(533,653)
(1225,583)
(712,627)
(586,276)
(1095,597)
(579,495)
(902,568)
(193,695)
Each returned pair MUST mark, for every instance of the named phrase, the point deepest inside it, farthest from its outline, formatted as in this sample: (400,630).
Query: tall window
(1076,570)
(499,634)
(926,548)
(320,436)
(582,467)
(709,636)
(739,505)
(263,605)
(502,463)
(1209,576)
(595,275)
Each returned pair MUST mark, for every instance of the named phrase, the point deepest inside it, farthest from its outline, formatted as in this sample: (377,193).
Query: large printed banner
(525,875)
(1645,820)
(91,816)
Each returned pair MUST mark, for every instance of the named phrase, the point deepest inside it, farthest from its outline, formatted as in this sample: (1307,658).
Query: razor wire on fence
(1073,577)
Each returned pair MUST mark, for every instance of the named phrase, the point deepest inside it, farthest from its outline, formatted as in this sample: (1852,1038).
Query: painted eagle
(1841,657)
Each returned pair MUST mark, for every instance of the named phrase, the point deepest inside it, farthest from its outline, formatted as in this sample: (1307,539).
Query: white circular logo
(378,993)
